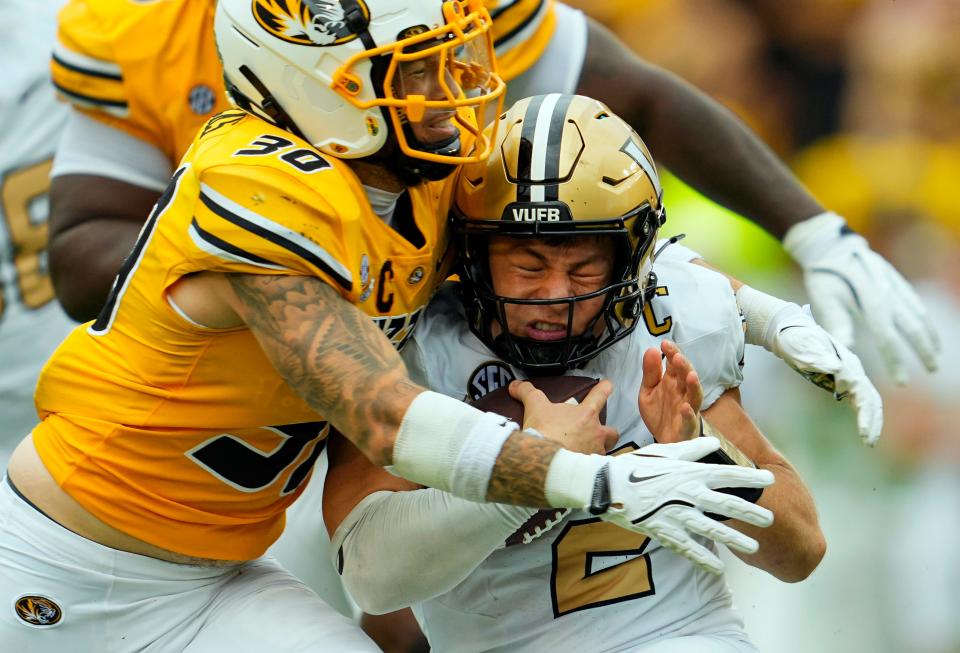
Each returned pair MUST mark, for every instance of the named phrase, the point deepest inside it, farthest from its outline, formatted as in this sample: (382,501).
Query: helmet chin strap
(268,107)
(540,357)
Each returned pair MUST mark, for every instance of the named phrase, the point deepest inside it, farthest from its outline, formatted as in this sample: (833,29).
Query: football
(559,389)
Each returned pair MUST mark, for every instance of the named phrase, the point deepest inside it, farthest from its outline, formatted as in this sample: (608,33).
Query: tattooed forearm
(331,354)
(520,473)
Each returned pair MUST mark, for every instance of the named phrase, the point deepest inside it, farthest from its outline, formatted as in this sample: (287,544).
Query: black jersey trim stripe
(229,248)
(311,253)
(507,6)
(535,15)
(89,99)
(89,72)
(131,264)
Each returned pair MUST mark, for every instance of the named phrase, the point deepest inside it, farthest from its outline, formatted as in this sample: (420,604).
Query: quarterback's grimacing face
(524,268)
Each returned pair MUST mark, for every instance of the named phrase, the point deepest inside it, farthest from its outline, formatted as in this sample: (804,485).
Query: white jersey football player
(557,237)
(31,321)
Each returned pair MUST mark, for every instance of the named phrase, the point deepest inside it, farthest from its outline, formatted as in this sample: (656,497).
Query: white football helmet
(356,78)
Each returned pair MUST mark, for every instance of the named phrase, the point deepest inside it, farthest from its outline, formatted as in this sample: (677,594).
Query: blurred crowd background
(862,99)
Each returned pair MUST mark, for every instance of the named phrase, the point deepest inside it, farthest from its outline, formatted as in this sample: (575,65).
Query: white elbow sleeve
(90,147)
(398,548)
(448,445)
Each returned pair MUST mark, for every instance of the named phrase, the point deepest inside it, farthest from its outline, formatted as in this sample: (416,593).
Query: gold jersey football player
(262,305)
(142,79)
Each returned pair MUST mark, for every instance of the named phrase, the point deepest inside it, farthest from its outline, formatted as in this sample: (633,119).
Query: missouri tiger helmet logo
(307,22)
(38,610)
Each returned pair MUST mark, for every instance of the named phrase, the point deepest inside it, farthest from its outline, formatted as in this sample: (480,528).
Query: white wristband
(446,444)
(807,240)
(571,478)
(762,314)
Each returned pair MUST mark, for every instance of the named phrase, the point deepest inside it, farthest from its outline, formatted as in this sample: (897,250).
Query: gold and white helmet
(349,76)
(562,166)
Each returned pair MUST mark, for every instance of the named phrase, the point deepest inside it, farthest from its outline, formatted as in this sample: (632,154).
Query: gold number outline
(653,327)
(634,544)
(638,568)
(19,187)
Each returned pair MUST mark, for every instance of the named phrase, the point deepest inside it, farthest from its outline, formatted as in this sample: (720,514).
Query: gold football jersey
(148,68)
(151,68)
(521,32)
(185,436)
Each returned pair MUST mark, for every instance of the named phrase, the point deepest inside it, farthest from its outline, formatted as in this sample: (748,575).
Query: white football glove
(661,492)
(789,332)
(846,279)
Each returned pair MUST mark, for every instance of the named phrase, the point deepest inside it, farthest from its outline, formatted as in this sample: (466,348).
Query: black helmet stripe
(539,155)
(525,153)
(551,192)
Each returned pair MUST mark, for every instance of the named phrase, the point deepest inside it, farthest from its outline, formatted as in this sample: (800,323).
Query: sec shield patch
(488,377)
(201,99)
(36,610)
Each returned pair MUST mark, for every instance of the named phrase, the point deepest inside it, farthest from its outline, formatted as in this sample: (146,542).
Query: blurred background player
(32,323)
(555,295)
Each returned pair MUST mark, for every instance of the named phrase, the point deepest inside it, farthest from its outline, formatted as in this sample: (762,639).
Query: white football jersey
(31,321)
(587,585)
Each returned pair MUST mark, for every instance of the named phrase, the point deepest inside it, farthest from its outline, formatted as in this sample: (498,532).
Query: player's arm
(790,333)
(94,222)
(109,168)
(711,149)
(695,136)
(669,401)
(793,546)
(344,367)
(396,544)
(104,183)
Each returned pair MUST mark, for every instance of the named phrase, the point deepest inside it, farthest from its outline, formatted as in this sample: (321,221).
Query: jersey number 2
(597,563)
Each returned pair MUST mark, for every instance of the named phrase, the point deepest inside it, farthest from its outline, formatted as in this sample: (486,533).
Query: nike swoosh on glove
(662,492)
